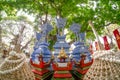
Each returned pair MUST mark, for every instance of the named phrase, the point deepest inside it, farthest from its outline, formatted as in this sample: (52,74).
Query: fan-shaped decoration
(38,36)
(46,28)
(82,36)
(61,22)
(75,27)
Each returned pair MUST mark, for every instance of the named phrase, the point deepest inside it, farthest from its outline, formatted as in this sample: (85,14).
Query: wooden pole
(0,39)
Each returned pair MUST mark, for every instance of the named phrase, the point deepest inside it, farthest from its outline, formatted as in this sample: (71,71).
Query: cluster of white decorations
(21,60)
(107,55)
(12,53)
(100,53)
(14,27)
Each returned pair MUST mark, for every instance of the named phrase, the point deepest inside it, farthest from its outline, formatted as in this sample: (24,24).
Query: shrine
(60,64)
(41,56)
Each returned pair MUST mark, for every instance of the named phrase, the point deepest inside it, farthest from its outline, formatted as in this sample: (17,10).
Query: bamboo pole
(96,34)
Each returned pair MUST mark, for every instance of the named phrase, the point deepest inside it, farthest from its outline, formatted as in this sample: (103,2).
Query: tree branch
(21,30)
(46,15)
(53,5)
(26,44)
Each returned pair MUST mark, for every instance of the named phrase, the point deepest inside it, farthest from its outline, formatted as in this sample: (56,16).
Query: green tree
(100,12)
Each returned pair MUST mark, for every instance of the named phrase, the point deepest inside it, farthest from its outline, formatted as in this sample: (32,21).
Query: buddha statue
(62,55)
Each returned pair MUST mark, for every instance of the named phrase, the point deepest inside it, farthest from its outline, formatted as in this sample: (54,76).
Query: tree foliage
(100,12)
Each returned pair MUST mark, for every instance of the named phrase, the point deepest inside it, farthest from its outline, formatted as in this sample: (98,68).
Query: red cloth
(117,36)
(40,72)
(106,44)
(91,49)
(67,75)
